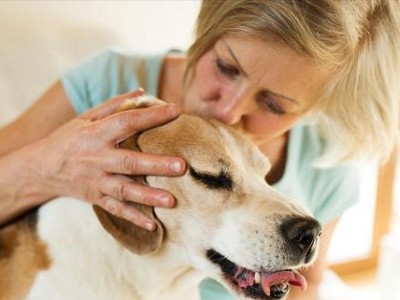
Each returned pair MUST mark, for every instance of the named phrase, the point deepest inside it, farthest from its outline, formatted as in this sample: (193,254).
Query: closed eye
(227,70)
(268,102)
(219,181)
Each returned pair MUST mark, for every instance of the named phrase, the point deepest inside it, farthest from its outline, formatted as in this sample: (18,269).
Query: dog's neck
(157,275)
(173,272)
(135,276)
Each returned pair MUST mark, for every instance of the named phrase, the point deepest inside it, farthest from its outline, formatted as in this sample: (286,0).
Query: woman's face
(261,88)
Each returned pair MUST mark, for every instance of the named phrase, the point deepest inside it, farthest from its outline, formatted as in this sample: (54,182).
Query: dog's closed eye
(213,181)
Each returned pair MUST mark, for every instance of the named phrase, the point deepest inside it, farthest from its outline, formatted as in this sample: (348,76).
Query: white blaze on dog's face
(234,225)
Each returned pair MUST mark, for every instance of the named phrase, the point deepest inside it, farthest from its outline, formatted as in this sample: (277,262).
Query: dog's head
(234,226)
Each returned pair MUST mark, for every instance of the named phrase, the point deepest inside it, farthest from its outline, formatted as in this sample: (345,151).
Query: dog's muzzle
(301,238)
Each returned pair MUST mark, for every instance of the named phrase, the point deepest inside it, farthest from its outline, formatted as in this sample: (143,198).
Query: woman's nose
(231,111)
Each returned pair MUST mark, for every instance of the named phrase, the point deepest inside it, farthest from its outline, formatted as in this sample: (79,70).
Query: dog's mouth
(257,284)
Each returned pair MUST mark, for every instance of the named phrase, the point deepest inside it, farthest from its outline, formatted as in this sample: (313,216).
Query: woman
(263,67)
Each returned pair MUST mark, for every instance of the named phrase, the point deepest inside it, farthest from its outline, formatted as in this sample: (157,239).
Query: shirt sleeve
(97,79)
(325,192)
(210,289)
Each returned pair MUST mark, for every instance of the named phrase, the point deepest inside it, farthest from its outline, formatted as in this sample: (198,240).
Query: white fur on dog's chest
(87,263)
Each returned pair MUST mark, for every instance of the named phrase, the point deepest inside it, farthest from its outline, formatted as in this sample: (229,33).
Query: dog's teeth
(257,277)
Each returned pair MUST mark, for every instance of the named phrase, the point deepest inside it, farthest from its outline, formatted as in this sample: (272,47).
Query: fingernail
(176,166)
(166,201)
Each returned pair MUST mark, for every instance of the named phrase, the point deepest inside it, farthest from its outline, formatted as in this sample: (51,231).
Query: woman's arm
(314,273)
(18,186)
(49,112)
(48,153)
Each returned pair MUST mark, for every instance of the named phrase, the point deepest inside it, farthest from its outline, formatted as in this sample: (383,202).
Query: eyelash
(271,104)
(227,70)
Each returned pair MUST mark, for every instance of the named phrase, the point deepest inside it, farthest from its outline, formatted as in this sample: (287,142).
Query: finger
(124,124)
(125,211)
(122,188)
(128,162)
(110,106)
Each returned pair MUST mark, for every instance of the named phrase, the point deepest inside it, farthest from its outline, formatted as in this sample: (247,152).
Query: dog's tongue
(291,277)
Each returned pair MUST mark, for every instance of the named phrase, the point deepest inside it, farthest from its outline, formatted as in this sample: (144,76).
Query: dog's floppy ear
(131,236)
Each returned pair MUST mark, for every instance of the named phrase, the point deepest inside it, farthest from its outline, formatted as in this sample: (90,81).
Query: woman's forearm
(21,187)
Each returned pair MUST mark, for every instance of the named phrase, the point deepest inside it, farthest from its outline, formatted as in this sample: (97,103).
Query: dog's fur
(68,249)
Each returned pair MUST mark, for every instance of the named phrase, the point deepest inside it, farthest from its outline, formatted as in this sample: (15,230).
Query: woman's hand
(80,159)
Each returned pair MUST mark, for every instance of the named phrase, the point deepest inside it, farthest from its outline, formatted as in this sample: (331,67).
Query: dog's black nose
(302,234)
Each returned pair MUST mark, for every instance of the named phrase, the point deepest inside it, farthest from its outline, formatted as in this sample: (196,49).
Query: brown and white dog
(229,224)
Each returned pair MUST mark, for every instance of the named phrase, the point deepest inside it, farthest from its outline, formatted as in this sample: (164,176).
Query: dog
(229,225)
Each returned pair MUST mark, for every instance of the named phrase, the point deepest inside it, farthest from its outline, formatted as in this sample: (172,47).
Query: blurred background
(40,39)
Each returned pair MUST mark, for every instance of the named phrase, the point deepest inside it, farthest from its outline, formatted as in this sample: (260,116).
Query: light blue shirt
(326,193)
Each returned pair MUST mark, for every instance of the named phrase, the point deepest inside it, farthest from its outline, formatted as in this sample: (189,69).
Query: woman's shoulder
(306,139)
(117,62)
(118,54)
(110,72)
(306,145)
(326,192)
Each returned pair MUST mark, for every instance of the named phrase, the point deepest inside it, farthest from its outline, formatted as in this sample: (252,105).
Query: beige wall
(40,39)
(145,25)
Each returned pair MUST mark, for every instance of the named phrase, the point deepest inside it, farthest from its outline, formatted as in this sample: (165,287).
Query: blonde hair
(358,113)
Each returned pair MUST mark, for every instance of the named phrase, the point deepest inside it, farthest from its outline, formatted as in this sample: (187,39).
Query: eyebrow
(245,74)
(234,57)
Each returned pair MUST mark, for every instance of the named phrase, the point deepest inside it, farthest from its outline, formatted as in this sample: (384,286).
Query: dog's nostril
(301,233)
